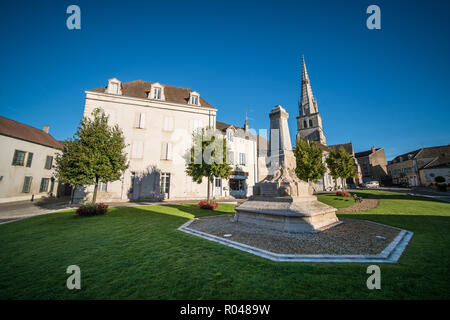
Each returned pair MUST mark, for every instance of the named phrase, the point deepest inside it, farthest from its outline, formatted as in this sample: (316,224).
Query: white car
(372,184)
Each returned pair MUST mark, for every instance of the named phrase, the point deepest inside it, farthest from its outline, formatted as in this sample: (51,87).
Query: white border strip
(390,254)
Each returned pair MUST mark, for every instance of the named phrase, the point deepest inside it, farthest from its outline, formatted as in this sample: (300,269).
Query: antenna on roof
(246,114)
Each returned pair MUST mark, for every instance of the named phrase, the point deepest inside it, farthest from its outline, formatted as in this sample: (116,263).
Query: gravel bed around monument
(353,236)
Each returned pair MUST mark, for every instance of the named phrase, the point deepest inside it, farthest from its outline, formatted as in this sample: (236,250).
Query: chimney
(373,149)
(246,126)
(46,128)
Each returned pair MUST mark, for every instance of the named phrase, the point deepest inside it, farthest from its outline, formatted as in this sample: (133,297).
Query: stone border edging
(390,254)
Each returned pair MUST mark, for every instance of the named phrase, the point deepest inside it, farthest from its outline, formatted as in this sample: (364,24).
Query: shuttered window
(29,159)
(168,123)
(48,162)
(18,158)
(44,185)
(166,151)
(137,150)
(139,120)
(242,159)
(27,184)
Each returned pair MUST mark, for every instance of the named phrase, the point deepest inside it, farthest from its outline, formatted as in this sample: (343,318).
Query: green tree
(308,157)
(207,158)
(341,165)
(95,153)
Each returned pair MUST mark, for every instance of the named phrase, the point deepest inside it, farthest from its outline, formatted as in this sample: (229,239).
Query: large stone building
(405,168)
(309,126)
(26,164)
(373,164)
(158,121)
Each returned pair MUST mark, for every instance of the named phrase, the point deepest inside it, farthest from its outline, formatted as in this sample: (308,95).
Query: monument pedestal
(282,201)
(287,214)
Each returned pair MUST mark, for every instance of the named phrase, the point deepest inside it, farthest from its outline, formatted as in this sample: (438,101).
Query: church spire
(307,103)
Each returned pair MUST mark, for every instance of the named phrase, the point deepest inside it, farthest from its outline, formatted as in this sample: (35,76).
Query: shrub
(211,205)
(91,209)
(439,179)
(357,199)
(343,194)
(339,193)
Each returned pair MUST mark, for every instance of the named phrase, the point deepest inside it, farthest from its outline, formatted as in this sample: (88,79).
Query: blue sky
(388,87)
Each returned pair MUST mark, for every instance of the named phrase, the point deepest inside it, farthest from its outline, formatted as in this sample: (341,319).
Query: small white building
(243,157)
(26,162)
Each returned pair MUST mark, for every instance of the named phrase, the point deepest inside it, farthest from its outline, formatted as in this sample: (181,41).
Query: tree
(207,157)
(95,153)
(308,157)
(341,165)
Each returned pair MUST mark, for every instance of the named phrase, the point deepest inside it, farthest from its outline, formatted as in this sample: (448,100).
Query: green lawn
(335,201)
(137,253)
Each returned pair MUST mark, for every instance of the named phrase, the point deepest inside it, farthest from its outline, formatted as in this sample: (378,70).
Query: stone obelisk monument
(282,201)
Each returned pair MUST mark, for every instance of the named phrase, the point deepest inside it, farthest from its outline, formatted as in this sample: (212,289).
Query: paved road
(25,209)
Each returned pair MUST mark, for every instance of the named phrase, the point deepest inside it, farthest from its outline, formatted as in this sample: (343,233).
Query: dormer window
(114,86)
(230,135)
(157,93)
(194,99)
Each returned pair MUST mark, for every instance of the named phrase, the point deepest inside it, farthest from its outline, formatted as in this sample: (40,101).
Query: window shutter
(137,150)
(169,151)
(164,151)
(140,149)
(142,121)
(30,159)
(15,157)
(168,123)
(136,120)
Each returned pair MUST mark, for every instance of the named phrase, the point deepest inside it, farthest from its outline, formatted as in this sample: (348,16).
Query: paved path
(26,209)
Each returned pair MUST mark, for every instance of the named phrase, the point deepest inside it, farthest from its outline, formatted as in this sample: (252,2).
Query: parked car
(372,184)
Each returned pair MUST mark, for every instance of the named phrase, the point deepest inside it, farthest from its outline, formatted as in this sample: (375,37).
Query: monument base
(287,214)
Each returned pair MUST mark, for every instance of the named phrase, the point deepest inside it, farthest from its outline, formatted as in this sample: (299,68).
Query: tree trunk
(335,184)
(207,193)
(94,197)
(71,195)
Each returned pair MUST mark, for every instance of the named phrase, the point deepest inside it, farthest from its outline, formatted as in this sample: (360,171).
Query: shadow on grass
(394,196)
(196,212)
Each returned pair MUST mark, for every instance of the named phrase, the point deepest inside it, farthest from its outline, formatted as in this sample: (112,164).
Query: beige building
(373,164)
(404,169)
(158,121)
(26,164)
(439,167)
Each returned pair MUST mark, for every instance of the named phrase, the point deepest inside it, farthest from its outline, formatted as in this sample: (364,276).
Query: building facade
(405,169)
(157,122)
(373,164)
(242,157)
(27,162)
(439,167)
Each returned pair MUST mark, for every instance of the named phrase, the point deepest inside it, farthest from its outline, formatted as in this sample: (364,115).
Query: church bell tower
(309,121)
